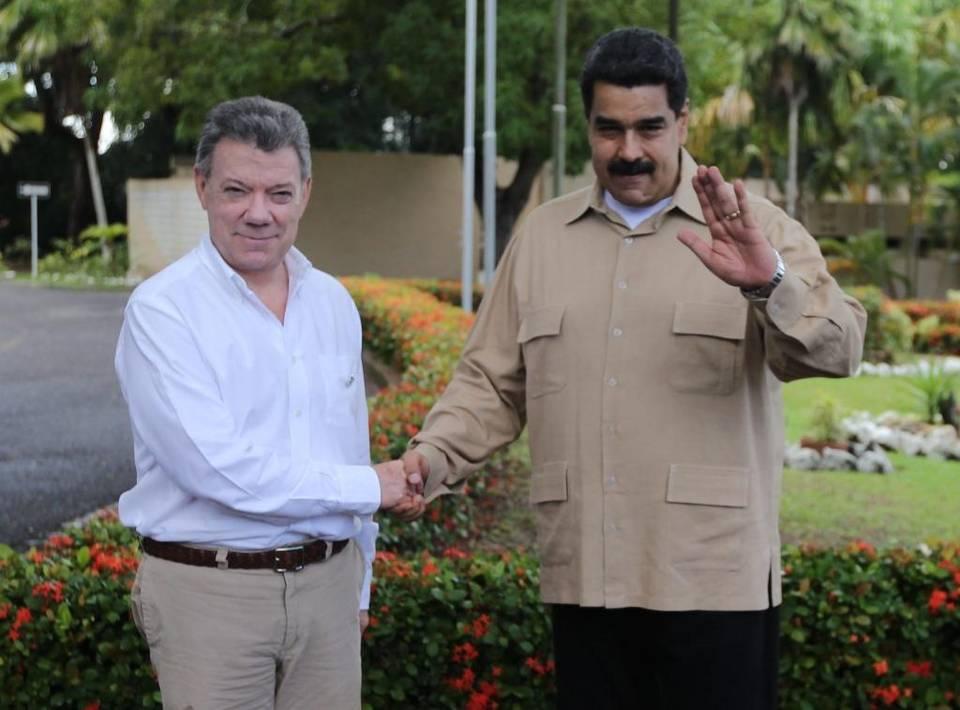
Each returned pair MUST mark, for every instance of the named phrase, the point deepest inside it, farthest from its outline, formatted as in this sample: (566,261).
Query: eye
(233,190)
(283,195)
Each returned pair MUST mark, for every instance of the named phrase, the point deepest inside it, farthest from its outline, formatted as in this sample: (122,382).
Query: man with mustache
(642,328)
(241,367)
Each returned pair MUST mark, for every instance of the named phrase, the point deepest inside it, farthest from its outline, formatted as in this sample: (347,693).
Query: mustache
(632,167)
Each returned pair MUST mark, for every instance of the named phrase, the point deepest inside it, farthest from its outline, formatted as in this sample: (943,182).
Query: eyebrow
(644,124)
(280,186)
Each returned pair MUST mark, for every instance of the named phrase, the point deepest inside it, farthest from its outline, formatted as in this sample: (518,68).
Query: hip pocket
(556,531)
(707,516)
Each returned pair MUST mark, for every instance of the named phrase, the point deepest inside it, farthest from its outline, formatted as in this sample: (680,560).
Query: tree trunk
(793,138)
(78,203)
(510,199)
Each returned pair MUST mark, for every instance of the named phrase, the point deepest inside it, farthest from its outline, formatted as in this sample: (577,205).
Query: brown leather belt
(283,559)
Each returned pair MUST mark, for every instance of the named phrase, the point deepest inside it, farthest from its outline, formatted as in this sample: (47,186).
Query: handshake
(401,485)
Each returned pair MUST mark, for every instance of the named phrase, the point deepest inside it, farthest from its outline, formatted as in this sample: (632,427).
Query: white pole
(469,152)
(560,101)
(33,237)
(490,143)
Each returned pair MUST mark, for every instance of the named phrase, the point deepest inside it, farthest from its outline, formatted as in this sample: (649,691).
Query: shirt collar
(297,264)
(684,199)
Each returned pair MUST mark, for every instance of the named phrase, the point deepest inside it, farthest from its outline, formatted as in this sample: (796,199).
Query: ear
(683,121)
(200,182)
(307,186)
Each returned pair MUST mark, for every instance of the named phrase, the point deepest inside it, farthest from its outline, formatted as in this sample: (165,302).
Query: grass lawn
(920,502)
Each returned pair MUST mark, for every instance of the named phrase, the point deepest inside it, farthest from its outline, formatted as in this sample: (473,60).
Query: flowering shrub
(66,636)
(447,291)
(423,338)
(457,631)
(860,628)
(868,629)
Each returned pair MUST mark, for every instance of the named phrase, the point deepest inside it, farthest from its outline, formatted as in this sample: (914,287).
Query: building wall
(394,214)
(399,215)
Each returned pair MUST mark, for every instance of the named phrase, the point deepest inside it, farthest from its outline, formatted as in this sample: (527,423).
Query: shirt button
(611,481)
(612,527)
(297,413)
(629,240)
(612,382)
(617,332)
(621,284)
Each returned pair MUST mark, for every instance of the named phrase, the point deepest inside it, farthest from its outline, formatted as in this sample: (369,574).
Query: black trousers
(638,659)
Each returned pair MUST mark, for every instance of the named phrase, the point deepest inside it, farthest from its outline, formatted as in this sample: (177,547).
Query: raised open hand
(738,254)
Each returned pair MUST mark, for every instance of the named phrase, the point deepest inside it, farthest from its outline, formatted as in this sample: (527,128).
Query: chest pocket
(707,347)
(341,388)
(543,356)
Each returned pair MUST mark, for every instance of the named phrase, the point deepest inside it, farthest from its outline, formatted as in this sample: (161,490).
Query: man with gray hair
(241,367)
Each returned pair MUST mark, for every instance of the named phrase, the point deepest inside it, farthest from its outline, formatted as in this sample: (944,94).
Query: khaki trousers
(253,639)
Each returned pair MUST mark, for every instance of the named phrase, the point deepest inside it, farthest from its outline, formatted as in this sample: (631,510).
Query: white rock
(801,458)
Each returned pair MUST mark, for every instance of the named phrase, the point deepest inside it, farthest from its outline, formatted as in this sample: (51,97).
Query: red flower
(430,569)
(50,591)
(938,598)
(465,653)
(60,541)
(496,671)
(481,625)
(888,695)
(464,682)
(36,557)
(4,611)
(881,667)
(478,701)
(453,553)
(541,669)
(95,705)
(23,617)
(924,669)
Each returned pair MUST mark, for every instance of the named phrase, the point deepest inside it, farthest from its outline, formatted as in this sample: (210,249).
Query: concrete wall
(398,214)
(394,214)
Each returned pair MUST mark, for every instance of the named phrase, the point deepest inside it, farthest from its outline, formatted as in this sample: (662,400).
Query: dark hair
(635,56)
(268,125)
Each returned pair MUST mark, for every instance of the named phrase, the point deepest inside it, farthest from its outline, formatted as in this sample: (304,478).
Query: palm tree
(812,42)
(54,43)
(14,120)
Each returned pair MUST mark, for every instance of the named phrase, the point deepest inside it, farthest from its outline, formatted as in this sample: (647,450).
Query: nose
(632,146)
(257,209)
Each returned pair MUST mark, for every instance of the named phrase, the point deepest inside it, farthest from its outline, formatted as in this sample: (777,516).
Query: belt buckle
(299,565)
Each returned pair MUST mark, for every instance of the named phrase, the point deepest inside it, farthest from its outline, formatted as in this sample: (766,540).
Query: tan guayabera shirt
(653,397)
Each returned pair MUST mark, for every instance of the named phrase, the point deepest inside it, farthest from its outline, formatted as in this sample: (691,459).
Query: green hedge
(456,630)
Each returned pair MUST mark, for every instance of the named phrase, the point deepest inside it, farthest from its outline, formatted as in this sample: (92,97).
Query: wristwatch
(763,292)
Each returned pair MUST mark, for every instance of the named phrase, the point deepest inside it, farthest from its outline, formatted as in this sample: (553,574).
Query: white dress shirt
(248,433)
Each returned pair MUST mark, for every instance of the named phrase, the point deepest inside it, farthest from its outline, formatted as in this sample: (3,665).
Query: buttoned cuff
(359,489)
(785,306)
(435,485)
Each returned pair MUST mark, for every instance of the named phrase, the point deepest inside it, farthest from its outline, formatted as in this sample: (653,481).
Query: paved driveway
(65,446)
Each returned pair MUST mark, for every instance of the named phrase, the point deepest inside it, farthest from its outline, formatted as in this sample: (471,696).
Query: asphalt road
(65,445)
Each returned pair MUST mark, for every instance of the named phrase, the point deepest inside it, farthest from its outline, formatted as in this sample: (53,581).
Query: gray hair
(267,125)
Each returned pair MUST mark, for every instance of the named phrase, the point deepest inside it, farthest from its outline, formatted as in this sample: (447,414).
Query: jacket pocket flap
(719,320)
(708,485)
(540,322)
(549,482)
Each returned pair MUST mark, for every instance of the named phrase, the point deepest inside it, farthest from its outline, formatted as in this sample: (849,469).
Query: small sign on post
(35,191)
